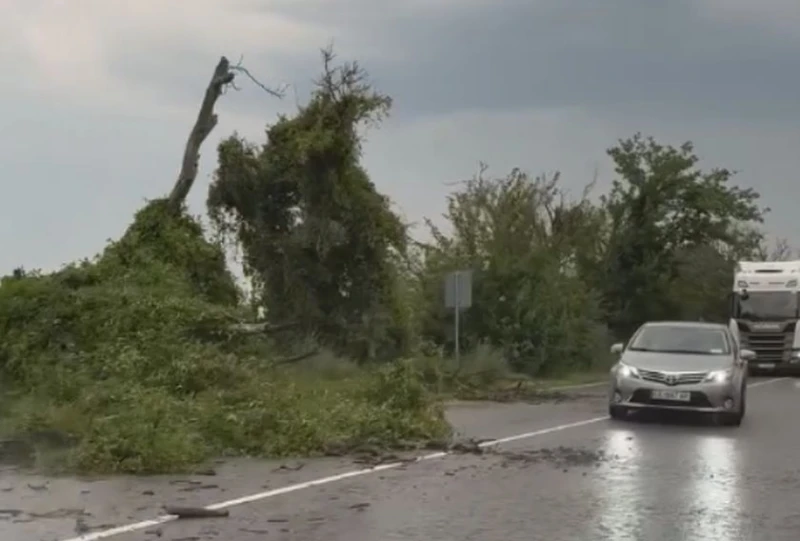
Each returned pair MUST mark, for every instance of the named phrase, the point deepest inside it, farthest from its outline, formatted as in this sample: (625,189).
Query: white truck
(765,311)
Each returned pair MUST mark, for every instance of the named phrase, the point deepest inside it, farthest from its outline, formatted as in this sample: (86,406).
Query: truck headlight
(719,376)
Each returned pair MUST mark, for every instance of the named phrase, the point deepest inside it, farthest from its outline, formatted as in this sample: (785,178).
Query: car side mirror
(747,355)
(617,348)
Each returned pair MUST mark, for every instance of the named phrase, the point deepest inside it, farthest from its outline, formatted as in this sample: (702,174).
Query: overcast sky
(99,95)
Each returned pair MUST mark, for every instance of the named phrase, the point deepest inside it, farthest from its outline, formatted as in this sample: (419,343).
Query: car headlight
(626,371)
(719,376)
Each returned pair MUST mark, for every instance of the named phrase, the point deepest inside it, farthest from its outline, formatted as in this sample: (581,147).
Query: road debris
(195,512)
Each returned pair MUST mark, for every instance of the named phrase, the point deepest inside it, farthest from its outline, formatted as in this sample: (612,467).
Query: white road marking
(136,526)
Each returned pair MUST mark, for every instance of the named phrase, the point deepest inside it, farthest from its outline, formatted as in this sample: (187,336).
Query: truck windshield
(766,305)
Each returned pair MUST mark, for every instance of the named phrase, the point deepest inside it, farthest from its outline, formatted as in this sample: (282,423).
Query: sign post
(458,296)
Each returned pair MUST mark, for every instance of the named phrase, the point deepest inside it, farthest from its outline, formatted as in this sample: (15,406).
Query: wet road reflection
(715,505)
(619,487)
(670,481)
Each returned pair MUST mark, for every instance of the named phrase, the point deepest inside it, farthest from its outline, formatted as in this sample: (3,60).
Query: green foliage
(661,209)
(555,279)
(319,241)
(526,244)
(118,355)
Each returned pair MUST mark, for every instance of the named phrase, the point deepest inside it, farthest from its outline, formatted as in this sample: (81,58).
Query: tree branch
(297,358)
(205,123)
(255,328)
(223,77)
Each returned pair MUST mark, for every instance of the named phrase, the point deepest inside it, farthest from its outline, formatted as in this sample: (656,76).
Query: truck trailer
(765,309)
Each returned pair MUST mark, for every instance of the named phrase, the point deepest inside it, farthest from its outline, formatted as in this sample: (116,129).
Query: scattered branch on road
(195,512)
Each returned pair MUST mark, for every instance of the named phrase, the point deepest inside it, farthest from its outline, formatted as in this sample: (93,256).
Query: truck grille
(769,347)
(673,378)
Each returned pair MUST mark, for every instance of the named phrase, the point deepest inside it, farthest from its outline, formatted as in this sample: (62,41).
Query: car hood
(676,362)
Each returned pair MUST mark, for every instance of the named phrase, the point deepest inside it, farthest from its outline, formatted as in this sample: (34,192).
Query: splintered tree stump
(195,512)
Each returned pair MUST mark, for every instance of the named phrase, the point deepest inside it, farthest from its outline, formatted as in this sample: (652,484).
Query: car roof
(687,324)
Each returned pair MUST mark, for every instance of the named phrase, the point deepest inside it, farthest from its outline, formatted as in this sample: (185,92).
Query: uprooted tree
(137,357)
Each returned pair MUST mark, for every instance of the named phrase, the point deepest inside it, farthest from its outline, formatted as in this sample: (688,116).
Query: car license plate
(680,396)
(768,366)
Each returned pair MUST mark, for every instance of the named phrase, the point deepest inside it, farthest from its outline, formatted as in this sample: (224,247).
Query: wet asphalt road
(652,479)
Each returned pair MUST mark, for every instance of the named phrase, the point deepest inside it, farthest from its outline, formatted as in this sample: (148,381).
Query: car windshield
(766,305)
(681,339)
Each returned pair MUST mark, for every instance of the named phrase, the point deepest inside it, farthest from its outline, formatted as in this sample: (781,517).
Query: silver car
(681,366)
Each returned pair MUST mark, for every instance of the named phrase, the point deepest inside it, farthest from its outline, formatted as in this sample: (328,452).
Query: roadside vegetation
(149,358)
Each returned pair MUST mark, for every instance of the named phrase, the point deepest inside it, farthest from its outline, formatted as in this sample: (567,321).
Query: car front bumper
(708,397)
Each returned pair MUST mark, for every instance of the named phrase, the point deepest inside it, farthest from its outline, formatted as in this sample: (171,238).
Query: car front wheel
(617,412)
(731,419)
(735,419)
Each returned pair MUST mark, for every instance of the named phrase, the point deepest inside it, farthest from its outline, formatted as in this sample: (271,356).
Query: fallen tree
(143,359)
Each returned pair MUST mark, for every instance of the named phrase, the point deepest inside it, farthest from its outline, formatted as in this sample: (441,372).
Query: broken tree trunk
(205,123)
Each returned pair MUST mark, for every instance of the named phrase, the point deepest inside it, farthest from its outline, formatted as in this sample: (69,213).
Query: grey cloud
(623,64)
(632,52)
(522,54)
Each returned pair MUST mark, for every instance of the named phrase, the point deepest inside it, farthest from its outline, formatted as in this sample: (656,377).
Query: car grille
(673,378)
(642,396)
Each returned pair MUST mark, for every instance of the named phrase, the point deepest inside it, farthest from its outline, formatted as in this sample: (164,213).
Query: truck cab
(765,308)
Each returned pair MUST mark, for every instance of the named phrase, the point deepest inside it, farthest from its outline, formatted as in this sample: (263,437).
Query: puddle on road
(618,488)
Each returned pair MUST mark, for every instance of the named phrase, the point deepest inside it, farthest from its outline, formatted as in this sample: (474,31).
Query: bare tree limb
(205,123)
(278,93)
(223,77)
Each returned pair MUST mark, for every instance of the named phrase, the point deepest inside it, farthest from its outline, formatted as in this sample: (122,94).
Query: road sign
(458,289)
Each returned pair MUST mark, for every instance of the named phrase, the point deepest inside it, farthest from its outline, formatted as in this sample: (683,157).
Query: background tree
(661,209)
(528,247)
